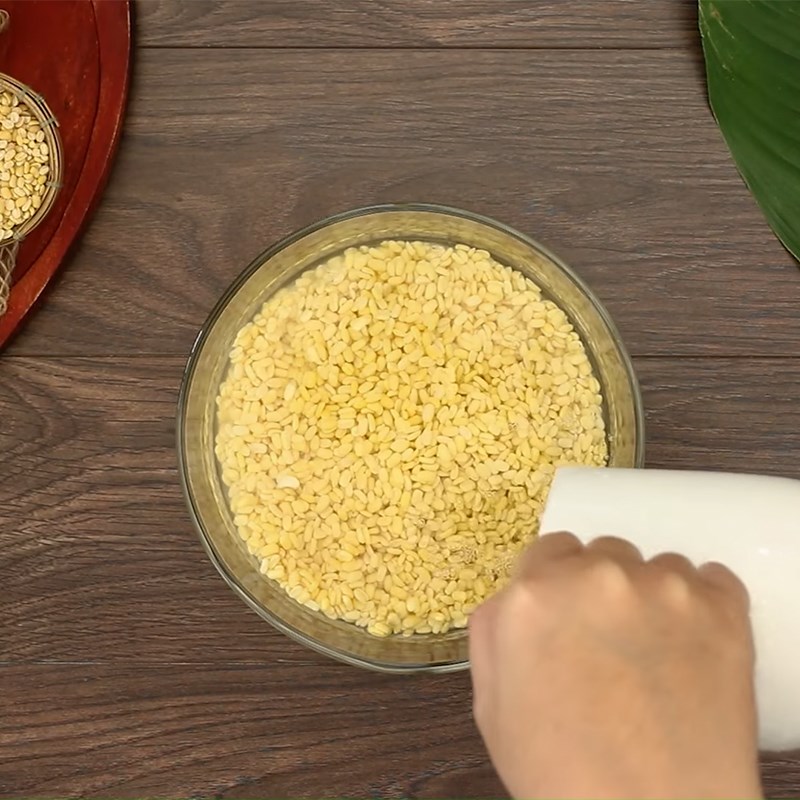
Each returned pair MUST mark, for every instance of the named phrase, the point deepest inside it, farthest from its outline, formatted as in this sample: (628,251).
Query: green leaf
(752,53)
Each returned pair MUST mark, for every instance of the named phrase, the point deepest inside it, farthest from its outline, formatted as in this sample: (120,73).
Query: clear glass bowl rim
(233,289)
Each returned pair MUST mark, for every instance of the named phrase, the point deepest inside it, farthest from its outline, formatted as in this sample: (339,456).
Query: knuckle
(671,577)
(608,575)
(614,546)
(523,597)
(672,587)
(728,589)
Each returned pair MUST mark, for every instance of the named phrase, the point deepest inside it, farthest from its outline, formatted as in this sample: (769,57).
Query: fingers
(674,563)
(619,549)
(670,577)
(547,547)
(554,547)
(720,578)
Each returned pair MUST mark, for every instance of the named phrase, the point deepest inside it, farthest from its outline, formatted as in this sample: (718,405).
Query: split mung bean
(389,426)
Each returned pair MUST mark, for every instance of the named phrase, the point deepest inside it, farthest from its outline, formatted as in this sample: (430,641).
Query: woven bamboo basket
(39,109)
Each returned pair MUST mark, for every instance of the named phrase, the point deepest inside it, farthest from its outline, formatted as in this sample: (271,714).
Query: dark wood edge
(113,19)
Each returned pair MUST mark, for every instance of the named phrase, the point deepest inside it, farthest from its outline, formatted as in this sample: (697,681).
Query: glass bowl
(278,266)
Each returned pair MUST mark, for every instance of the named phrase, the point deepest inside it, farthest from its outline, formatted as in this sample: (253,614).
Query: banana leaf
(752,55)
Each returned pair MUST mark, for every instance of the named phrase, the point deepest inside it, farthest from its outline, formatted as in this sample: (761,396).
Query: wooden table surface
(127,668)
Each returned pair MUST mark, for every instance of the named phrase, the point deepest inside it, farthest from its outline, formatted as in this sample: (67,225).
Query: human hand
(598,674)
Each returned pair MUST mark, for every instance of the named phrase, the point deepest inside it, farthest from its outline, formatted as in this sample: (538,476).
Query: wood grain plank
(720,414)
(417,23)
(100,562)
(611,159)
(266,731)
(253,731)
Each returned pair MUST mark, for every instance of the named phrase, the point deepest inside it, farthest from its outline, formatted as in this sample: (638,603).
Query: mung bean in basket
(24,163)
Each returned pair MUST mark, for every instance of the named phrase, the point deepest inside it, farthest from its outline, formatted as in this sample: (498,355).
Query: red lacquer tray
(77,55)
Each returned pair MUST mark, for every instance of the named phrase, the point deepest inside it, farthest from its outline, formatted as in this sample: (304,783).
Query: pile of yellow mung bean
(24,163)
(389,426)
